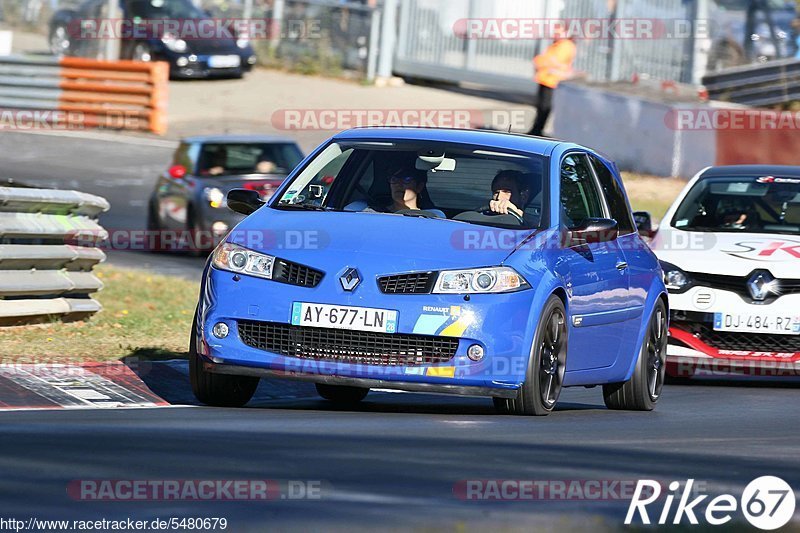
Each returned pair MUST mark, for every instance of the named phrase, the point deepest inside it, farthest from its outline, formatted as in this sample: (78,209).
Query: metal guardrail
(763,84)
(106,94)
(43,274)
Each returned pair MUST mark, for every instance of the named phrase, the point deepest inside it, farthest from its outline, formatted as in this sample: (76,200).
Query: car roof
(221,139)
(490,139)
(785,171)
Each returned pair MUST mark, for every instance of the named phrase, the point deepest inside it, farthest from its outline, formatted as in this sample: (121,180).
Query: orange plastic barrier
(118,94)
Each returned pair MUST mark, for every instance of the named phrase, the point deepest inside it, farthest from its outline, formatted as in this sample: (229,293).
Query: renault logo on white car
(761,284)
(350,279)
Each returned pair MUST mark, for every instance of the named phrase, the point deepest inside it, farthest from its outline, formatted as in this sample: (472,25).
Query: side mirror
(593,230)
(244,201)
(644,223)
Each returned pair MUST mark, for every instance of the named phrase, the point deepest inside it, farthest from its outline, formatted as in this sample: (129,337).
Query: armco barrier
(42,274)
(761,84)
(92,93)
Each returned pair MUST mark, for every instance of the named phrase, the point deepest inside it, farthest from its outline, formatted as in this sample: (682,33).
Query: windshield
(765,204)
(218,159)
(162,9)
(424,179)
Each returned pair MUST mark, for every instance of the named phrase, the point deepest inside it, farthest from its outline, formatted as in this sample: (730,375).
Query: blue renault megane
(443,261)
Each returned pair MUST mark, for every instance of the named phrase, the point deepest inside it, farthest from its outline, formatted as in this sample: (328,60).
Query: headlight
(674,278)
(174,43)
(235,258)
(479,280)
(214,196)
(242,42)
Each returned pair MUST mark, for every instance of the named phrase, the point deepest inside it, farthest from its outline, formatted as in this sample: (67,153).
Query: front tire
(642,391)
(548,359)
(218,390)
(341,395)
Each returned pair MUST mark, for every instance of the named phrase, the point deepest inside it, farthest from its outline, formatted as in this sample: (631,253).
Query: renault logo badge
(350,279)
(760,285)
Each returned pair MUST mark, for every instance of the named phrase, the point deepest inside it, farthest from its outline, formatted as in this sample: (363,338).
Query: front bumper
(695,345)
(196,66)
(431,388)
(499,323)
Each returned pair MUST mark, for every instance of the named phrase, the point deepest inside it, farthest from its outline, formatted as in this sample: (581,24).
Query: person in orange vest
(552,67)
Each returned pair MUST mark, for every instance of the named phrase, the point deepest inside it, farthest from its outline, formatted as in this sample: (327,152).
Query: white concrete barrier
(634,131)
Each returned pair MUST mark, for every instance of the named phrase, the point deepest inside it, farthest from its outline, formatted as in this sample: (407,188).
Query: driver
(510,193)
(217,161)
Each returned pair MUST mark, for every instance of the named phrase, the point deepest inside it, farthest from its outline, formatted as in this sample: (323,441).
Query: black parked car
(145,37)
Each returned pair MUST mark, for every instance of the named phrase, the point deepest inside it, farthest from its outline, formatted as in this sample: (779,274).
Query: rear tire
(218,390)
(642,391)
(196,235)
(342,395)
(546,365)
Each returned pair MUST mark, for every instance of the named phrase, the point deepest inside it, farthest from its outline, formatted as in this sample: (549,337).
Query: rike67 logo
(767,503)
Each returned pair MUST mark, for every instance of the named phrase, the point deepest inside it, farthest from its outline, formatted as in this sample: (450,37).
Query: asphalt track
(394,461)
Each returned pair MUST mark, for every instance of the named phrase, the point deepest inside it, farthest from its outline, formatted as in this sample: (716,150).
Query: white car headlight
(214,196)
(235,258)
(174,43)
(242,42)
(674,278)
(479,280)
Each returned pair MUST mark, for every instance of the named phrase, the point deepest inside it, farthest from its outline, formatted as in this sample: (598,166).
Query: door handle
(622,265)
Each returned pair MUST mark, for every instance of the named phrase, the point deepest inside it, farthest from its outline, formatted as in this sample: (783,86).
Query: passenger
(265,165)
(406,186)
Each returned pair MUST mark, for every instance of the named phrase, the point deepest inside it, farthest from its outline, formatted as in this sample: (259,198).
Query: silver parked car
(188,206)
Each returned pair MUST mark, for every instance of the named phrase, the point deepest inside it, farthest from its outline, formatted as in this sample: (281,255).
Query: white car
(730,250)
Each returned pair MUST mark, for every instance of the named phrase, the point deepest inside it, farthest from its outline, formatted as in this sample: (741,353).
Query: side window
(580,198)
(615,197)
(185,155)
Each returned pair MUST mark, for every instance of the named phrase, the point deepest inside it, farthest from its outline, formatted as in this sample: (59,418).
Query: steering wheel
(487,211)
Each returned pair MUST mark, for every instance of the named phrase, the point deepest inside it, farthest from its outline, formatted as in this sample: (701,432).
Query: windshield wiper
(304,207)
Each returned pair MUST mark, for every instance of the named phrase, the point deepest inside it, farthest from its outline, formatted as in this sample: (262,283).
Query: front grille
(738,284)
(347,346)
(416,283)
(295,274)
(747,342)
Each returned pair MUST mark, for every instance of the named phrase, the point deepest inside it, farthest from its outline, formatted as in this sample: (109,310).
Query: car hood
(734,254)
(373,242)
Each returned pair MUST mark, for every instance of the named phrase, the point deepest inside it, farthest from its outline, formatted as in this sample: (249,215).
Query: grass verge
(652,194)
(144,315)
